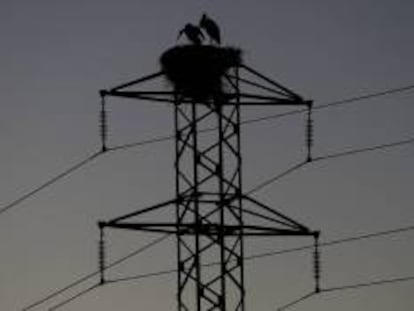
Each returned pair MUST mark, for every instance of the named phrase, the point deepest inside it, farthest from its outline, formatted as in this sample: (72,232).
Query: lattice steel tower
(212,213)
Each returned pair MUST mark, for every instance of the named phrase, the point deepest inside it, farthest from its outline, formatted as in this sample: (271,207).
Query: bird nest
(196,71)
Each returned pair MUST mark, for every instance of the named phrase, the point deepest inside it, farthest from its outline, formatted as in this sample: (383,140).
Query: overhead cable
(50,182)
(346,287)
(96,273)
(329,156)
(247,258)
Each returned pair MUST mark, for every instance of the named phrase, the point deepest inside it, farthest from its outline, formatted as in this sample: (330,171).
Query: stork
(211,27)
(193,33)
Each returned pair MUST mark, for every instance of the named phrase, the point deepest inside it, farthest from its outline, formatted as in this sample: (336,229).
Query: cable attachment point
(309,131)
(101,254)
(316,262)
(103,124)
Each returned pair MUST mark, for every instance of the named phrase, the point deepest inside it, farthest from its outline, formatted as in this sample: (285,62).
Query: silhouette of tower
(212,215)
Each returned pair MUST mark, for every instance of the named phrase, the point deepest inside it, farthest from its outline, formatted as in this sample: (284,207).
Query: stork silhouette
(193,33)
(211,28)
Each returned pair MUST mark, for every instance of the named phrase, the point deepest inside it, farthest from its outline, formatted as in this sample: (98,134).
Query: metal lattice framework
(212,214)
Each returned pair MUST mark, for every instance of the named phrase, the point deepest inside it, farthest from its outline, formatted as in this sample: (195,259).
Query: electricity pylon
(211,213)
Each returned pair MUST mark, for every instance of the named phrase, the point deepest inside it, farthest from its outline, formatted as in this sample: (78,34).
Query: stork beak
(180,34)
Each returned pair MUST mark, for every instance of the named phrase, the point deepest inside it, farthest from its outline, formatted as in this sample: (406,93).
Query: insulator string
(309,132)
(317,263)
(101,255)
(103,124)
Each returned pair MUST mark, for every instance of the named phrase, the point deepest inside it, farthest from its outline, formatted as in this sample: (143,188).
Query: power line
(93,287)
(329,156)
(138,251)
(248,258)
(296,301)
(347,287)
(78,295)
(366,96)
(334,242)
(95,273)
(284,307)
(50,182)
(279,176)
(142,143)
(368,284)
(332,104)
(366,149)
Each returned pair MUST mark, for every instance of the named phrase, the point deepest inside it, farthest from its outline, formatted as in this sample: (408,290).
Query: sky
(56,55)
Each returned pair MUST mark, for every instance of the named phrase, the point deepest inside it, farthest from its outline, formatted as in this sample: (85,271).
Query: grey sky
(56,55)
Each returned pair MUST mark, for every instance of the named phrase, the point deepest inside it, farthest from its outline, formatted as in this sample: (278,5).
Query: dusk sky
(55,56)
